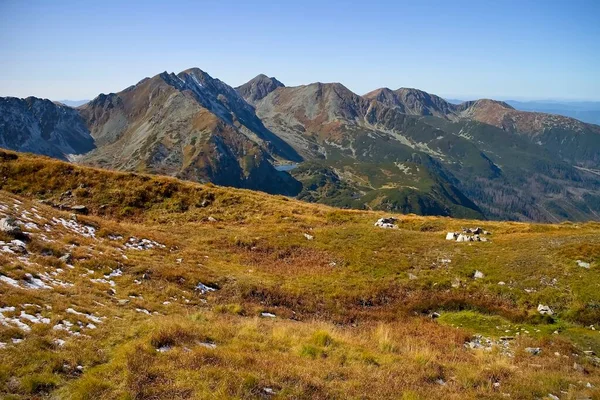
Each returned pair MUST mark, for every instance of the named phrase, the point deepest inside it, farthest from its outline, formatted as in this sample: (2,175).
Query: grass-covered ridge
(351,305)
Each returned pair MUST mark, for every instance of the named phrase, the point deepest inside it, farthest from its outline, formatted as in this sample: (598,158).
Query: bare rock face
(40,126)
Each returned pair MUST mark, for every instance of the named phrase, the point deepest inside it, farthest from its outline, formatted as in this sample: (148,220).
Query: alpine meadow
(194,235)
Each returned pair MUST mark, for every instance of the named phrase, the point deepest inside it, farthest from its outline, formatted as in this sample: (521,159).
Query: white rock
(9,226)
(308,237)
(478,275)
(545,310)
(451,236)
(203,289)
(388,223)
(267,315)
(583,264)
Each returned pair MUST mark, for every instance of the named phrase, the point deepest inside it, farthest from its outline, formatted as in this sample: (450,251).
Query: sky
(465,49)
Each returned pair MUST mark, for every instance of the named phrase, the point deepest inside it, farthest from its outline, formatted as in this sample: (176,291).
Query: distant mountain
(44,127)
(73,103)
(187,125)
(257,88)
(412,101)
(573,141)
(399,150)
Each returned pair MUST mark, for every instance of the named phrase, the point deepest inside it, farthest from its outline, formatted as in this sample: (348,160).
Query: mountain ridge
(404,150)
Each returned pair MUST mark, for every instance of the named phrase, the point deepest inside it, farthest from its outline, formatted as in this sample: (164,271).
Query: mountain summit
(258,87)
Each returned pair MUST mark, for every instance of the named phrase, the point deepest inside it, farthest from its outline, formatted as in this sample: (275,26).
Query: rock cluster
(388,223)
(468,235)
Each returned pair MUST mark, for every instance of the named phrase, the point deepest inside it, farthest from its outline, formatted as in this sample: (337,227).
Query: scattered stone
(533,350)
(142,244)
(501,283)
(203,289)
(468,235)
(487,344)
(478,275)
(212,219)
(268,390)
(267,315)
(434,315)
(308,237)
(583,264)
(412,277)
(553,397)
(464,238)
(9,225)
(208,345)
(545,310)
(388,223)
(67,258)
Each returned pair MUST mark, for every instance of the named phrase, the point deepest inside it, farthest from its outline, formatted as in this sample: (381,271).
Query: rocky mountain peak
(258,87)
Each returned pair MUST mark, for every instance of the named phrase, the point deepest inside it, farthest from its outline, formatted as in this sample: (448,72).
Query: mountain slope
(170,289)
(41,126)
(573,141)
(349,142)
(187,125)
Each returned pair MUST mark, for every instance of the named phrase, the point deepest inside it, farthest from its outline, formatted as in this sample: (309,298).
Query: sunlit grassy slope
(345,314)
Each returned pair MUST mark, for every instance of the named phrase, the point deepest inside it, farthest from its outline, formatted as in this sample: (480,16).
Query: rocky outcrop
(40,126)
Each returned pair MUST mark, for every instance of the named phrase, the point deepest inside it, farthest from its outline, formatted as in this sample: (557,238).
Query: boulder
(583,264)
(545,310)
(9,226)
(464,238)
(533,350)
(389,223)
(67,258)
(451,236)
(79,209)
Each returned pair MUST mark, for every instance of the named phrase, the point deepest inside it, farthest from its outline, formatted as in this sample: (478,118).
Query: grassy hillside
(239,294)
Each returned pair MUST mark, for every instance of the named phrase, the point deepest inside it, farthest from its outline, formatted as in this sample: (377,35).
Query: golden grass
(350,322)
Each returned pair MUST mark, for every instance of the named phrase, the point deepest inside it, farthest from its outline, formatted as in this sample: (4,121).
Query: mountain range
(399,150)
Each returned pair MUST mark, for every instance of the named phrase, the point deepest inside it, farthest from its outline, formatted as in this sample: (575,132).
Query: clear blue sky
(477,48)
